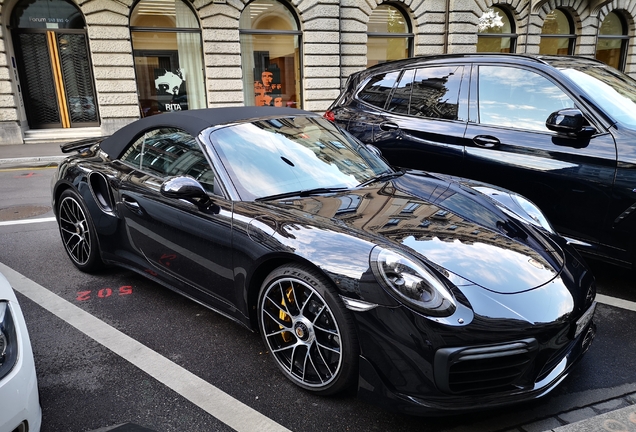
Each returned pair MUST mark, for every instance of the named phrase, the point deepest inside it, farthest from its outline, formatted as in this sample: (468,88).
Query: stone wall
(334,40)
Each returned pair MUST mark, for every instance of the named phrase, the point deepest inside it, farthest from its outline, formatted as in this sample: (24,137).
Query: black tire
(307,330)
(78,232)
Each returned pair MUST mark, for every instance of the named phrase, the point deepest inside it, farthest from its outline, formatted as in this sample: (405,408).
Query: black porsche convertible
(429,293)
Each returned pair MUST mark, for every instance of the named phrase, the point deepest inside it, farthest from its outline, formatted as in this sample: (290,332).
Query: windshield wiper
(302,193)
(382,177)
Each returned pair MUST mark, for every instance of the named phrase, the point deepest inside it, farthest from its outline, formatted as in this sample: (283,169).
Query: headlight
(518,205)
(412,282)
(8,340)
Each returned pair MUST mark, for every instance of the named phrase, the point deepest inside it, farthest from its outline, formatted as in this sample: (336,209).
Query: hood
(444,223)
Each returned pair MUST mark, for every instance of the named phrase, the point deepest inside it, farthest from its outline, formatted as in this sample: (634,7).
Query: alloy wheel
(75,230)
(301,332)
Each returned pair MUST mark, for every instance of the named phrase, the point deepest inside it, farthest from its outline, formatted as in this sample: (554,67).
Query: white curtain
(190,56)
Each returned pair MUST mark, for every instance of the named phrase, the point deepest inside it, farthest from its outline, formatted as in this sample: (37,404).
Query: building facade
(75,68)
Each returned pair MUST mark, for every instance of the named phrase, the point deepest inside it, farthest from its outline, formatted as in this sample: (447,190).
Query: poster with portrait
(267,86)
(171,90)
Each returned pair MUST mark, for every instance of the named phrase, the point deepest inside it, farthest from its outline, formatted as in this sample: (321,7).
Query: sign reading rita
(171,90)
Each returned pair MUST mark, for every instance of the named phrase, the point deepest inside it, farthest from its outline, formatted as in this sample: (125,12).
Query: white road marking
(27,221)
(217,403)
(616,302)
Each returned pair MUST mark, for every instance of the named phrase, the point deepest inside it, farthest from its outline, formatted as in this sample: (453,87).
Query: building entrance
(53,62)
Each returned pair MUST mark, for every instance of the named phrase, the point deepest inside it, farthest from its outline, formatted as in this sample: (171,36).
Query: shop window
(557,34)
(270,55)
(612,41)
(166,41)
(388,35)
(496,32)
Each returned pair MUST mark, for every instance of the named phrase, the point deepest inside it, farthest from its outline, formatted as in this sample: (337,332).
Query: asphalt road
(114,348)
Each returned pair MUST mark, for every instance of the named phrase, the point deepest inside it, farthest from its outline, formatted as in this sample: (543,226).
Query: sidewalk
(30,155)
(617,414)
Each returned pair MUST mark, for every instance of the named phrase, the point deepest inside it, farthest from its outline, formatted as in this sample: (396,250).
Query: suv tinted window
(401,99)
(377,90)
(436,92)
(518,98)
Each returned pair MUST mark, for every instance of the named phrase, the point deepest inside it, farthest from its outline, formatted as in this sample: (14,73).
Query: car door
(184,241)
(508,144)
(422,125)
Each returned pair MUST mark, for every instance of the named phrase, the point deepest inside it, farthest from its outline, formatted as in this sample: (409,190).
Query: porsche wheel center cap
(302,331)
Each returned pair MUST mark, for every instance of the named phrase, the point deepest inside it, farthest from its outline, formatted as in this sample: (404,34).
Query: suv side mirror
(569,121)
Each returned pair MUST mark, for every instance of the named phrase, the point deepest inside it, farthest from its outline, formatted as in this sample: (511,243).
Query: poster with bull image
(171,89)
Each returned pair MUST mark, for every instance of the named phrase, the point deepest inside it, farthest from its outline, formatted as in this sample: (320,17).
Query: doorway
(52,55)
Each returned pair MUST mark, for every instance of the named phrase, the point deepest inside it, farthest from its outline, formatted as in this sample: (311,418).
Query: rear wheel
(78,232)
(307,330)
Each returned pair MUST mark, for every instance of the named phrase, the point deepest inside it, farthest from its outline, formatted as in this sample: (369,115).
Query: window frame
(409,35)
(176,30)
(624,38)
(513,36)
(571,37)
(297,33)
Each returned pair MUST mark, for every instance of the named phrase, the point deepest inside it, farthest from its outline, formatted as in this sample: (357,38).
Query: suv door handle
(389,126)
(486,141)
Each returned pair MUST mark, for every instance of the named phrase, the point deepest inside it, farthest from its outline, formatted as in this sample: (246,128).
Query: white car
(20,409)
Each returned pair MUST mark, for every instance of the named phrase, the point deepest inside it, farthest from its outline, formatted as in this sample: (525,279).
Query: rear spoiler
(81,144)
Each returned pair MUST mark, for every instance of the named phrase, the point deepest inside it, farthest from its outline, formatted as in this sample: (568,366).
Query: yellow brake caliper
(287,337)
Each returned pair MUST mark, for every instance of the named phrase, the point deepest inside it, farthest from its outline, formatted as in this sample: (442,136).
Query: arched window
(388,35)
(270,55)
(496,32)
(166,41)
(557,34)
(612,41)
(54,66)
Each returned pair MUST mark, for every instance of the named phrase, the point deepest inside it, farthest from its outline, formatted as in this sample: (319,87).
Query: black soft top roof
(191,121)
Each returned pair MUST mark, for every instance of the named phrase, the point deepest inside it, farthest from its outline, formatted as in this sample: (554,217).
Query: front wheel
(307,330)
(78,233)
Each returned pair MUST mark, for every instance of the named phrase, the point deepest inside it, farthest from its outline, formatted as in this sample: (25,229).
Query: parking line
(616,302)
(217,403)
(27,221)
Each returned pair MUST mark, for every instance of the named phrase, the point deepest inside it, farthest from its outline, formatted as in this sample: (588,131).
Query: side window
(168,152)
(401,98)
(377,90)
(436,92)
(517,98)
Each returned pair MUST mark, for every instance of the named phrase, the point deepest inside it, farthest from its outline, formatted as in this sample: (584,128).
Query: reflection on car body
(19,399)
(401,282)
(559,130)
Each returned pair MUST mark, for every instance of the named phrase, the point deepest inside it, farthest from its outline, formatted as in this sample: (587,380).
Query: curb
(31,162)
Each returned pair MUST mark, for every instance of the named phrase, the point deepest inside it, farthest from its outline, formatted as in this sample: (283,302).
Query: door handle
(132,204)
(486,141)
(389,126)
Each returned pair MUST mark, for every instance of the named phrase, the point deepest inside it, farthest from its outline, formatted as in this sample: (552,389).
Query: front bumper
(374,387)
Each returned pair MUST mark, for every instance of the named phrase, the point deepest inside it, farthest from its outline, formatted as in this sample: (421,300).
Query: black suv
(558,130)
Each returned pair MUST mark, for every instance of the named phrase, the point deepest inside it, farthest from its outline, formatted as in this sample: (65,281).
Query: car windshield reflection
(275,157)
(613,92)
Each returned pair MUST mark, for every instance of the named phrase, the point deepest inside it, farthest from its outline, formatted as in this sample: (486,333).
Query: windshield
(283,155)
(612,91)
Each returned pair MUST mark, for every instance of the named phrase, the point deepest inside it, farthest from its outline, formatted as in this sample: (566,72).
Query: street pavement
(613,415)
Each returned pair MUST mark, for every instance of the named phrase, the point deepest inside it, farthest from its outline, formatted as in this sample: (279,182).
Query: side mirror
(569,121)
(183,187)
